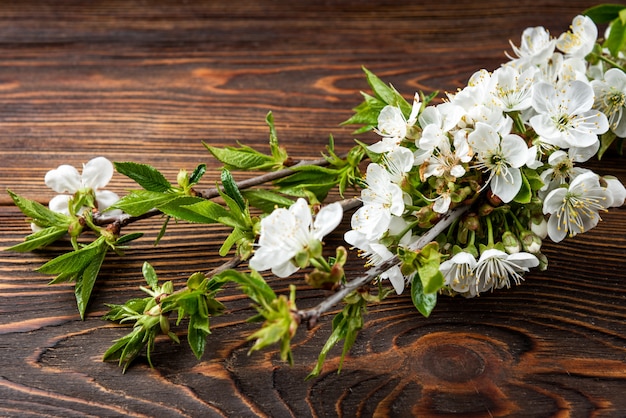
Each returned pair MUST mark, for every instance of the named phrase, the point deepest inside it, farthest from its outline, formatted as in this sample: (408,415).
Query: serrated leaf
(242,158)
(207,211)
(145,175)
(424,302)
(251,284)
(128,237)
(197,332)
(138,202)
(231,240)
(39,239)
(68,265)
(38,212)
(178,208)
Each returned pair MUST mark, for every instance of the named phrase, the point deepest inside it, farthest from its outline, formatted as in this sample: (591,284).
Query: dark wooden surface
(147,82)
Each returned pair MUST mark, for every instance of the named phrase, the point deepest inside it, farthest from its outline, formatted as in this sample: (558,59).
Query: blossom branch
(311,316)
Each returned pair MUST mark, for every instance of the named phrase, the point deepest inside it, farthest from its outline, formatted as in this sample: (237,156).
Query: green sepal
(145,175)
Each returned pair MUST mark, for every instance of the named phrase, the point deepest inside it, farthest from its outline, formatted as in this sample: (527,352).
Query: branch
(125,219)
(311,316)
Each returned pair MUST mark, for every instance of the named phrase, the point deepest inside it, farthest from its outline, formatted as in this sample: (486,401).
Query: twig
(311,316)
(124,219)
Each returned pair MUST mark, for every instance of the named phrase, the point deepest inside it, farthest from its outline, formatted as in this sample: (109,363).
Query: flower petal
(97,173)
(327,219)
(63,179)
(59,204)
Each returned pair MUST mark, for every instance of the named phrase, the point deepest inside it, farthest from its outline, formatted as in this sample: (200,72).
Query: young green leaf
(604,13)
(145,175)
(242,158)
(231,189)
(86,280)
(266,200)
(40,239)
(206,211)
(138,202)
(197,174)
(424,302)
(40,214)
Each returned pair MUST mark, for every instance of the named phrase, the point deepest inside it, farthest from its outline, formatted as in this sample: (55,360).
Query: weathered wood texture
(147,82)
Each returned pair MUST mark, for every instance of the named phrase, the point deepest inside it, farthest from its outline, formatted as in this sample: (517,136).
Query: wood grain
(147,82)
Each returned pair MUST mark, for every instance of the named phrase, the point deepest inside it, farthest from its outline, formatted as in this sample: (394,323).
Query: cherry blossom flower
(610,95)
(565,116)
(288,232)
(574,210)
(393,126)
(495,268)
(536,47)
(512,90)
(381,199)
(66,180)
(458,273)
(501,156)
(580,40)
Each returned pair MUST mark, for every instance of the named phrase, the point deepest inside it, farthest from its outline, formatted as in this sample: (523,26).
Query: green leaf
(40,214)
(150,275)
(533,178)
(525,193)
(39,239)
(252,284)
(616,41)
(85,282)
(138,202)
(387,94)
(69,265)
(242,158)
(278,153)
(197,332)
(128,237)
(178,208)
(232,190)
(231,240)
(207,211)
(197,174)
(346,325)
(145,175)
(604,13)
(606,140)
(266,200)
(424,302)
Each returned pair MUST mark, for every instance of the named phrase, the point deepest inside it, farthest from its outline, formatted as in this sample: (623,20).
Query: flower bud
(183,178)
(511,243)
(531,242)
(164,322)
(539,226)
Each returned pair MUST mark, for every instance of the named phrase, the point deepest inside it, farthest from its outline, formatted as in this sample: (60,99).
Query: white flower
(376,254)
(611,99)
(458,273)
(565,116)
(575,209)
(501,157)
(66,179)
(617,190)
(445,160)
(288,232)
(512,90)
(393,127)
(580,40)
(495,268)
(398,162)
(381,199)
(536,47)
(561,171)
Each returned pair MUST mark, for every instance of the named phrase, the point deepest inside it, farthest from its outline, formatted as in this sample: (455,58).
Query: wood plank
(148,82)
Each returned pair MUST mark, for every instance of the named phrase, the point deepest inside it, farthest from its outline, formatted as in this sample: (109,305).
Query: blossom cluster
(515,136)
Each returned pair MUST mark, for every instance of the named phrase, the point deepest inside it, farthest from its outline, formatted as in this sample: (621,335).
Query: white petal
(556,232)
(396,278)
(63,179)
(617,191)
(59,204)
(506,188)
(285,270)
(97,173)
(327,219)
(523,260)
(105,198)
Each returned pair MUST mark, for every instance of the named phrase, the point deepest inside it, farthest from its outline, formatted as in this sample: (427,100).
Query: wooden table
(147,82)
